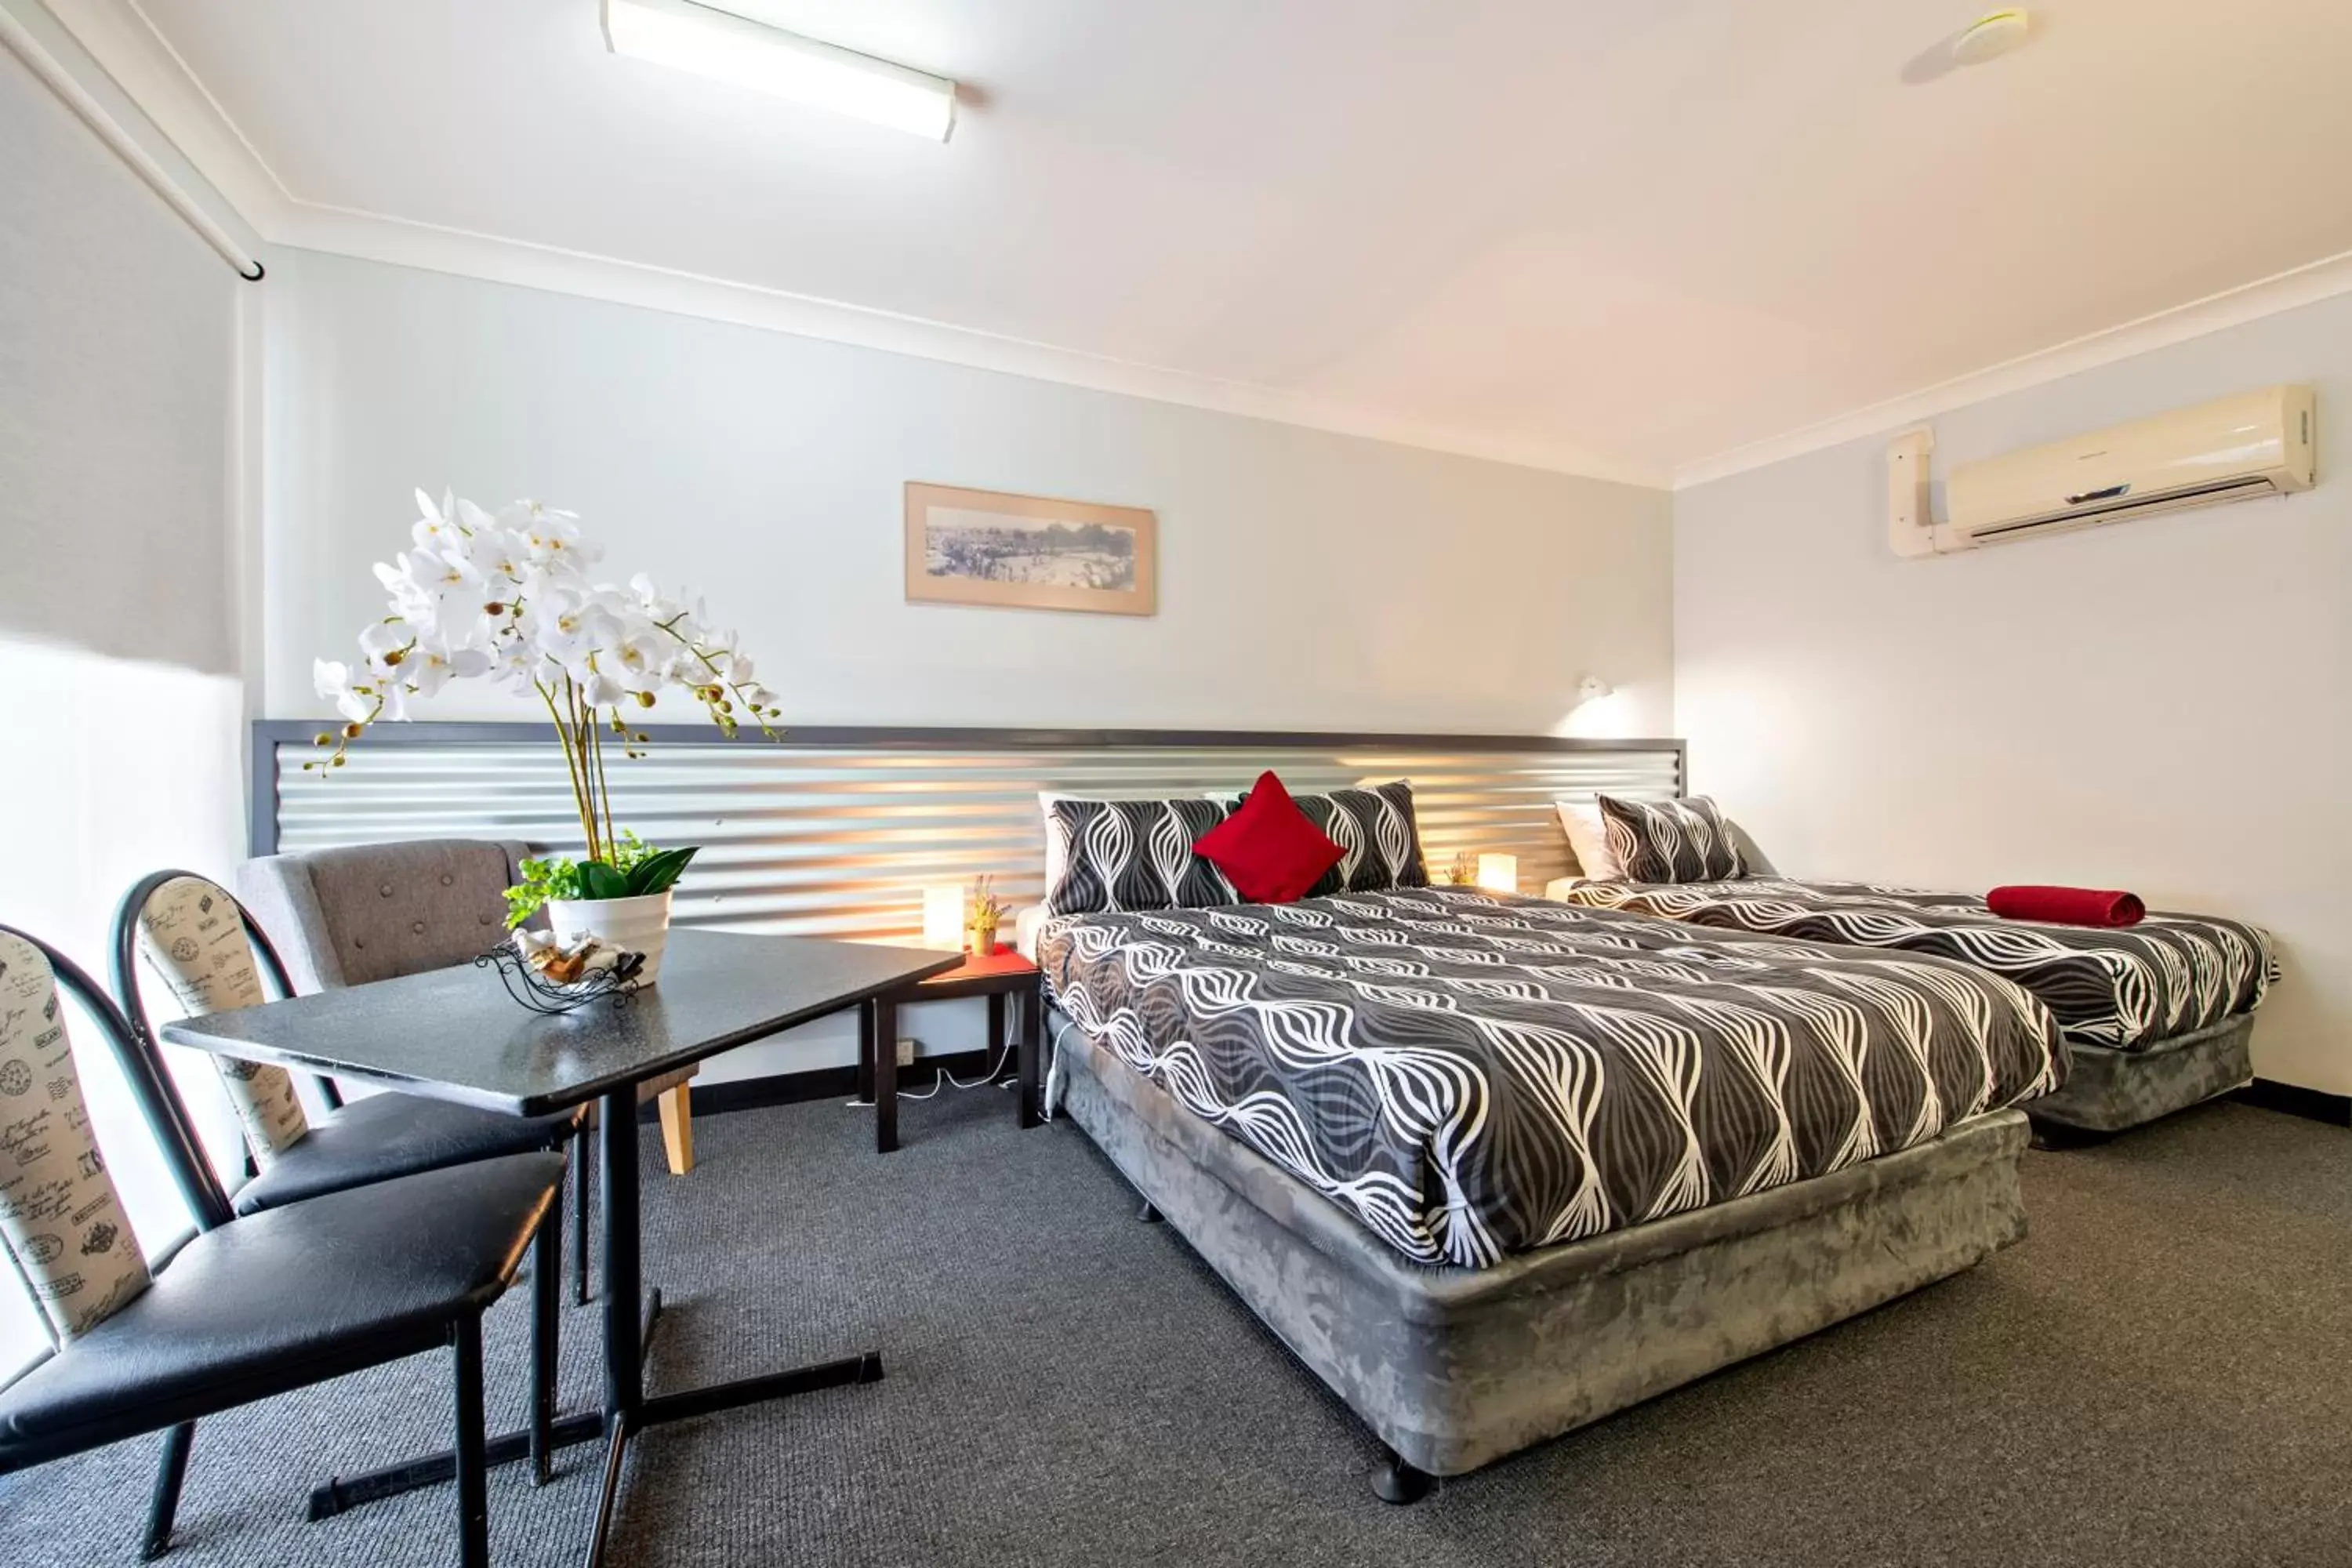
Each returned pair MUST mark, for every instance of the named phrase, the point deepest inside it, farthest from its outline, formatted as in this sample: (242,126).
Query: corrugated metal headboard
(832,832)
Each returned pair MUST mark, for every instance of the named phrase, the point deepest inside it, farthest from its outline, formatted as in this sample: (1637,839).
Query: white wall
(119,699)
(1307,580)
(2160,705)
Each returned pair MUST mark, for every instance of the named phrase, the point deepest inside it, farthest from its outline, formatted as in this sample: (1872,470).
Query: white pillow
(1580,820)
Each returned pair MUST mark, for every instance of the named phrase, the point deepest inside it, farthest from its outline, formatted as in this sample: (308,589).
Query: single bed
(1495,1167)
(2157,1016)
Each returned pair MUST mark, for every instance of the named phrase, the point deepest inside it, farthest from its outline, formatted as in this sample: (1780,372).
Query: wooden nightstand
(1002,973)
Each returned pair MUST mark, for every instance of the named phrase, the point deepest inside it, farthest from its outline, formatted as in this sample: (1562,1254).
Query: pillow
(1375,830)
(1670,840)
(1267,849)
(1131,854)
(1588,836)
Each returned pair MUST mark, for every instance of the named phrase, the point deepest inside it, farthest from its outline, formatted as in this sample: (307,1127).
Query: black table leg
(865,1052)
(627,1411)
(885,1011)
(624,1350)
(1033,1051)
(631,1315)
(994,1055)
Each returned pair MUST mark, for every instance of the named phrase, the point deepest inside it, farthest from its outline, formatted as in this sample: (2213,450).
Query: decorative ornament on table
(550,975)
(1464,871)
(988,914)
(506,597)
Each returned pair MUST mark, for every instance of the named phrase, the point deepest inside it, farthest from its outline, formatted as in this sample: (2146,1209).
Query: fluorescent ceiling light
(728,48)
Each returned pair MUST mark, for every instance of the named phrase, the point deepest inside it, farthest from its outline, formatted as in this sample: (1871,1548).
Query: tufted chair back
(373,912)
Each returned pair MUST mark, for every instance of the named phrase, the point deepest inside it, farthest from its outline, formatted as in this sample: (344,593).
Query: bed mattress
(2170,976)
(1471,1075)
(1453,1368)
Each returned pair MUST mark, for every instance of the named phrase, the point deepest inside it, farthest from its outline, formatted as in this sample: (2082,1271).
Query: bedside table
(1001,975)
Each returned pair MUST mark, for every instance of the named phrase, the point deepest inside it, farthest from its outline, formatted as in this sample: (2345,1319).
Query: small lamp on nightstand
(943,916)
(1498,873)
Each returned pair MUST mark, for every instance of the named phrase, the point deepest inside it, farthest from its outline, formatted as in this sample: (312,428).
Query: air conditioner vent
(2257,444)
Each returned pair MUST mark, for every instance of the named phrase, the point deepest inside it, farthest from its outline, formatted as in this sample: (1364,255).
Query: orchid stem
(572,763)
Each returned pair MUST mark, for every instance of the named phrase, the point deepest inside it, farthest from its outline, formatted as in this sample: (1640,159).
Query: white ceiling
(1643,233)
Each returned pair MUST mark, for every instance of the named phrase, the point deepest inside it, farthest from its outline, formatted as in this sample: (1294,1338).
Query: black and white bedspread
(2170,975)
(1472,1074)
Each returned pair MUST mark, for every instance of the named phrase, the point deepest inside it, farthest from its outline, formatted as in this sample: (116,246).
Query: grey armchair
(373,911)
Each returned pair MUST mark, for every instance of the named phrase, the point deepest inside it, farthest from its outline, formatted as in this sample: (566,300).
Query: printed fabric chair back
(191,934)
(60,1215)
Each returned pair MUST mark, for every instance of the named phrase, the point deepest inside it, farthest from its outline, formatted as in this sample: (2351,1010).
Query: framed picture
(982,547)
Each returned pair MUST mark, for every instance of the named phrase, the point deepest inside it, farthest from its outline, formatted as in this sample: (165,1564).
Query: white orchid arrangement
(506,597)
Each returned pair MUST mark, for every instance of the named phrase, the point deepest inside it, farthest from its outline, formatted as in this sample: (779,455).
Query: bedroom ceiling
(1651,232)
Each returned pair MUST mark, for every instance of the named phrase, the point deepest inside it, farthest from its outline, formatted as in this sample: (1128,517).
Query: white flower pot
(633,925)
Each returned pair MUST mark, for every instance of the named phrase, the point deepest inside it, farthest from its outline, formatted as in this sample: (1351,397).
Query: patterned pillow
(1670,840)
(59,1215)
(1376,829)
(193,936)
(1131,854)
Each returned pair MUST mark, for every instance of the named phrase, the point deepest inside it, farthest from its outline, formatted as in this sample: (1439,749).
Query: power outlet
(906,1053)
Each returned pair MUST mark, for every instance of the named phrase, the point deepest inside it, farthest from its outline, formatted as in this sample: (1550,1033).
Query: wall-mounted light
(943,916)
(727,47)
(1498,873)
(1592,689)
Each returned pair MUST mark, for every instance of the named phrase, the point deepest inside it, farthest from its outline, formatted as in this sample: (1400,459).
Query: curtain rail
(44,65)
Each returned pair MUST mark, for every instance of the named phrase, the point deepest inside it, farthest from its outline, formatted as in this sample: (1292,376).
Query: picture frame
(1004,550)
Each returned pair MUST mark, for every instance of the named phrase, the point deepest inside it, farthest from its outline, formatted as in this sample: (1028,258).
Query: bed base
(2109,1091)
(1453,1368)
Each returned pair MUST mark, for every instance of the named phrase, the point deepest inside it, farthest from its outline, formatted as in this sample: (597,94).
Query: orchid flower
(505,596)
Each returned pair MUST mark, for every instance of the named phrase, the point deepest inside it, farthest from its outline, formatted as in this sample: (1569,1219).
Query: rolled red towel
(2067,906)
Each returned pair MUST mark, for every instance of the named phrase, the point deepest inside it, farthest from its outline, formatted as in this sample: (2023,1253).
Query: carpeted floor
(2161,1374)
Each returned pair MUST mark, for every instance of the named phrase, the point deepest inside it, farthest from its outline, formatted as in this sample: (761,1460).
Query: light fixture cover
(943,916)
(1498,873)
(1993,35)
(727,47)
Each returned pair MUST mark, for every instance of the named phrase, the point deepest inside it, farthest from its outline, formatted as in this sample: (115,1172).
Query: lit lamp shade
(1498,873)
(943,916)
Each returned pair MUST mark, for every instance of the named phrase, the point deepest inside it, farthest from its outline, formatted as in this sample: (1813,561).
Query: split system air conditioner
(2260,444)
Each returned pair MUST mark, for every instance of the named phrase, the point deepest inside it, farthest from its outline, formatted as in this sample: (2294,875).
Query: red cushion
(1268,848)
(2067,906)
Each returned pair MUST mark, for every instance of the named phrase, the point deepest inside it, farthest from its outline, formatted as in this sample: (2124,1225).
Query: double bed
(1495,1167)
(2157,1016)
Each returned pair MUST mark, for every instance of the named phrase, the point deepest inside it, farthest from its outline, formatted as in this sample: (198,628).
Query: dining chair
(373,912)
(250,1306)
(198,939)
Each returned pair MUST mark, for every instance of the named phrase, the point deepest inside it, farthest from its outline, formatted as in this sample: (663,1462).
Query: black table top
(455,1035)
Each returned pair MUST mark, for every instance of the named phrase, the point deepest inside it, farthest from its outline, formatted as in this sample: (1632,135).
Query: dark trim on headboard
(261,777)
(268,735)
(908,737)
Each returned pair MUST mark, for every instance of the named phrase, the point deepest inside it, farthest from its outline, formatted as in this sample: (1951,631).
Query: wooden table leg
(1032,1050)
(885,1074)
(677,1128)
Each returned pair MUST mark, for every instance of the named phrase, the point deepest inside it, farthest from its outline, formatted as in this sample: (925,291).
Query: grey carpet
(2161,1374)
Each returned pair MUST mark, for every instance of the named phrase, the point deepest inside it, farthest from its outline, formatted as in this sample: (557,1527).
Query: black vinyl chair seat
(281,1299)
(384,1136)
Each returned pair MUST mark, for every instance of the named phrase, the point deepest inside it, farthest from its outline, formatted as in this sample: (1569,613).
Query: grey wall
(1306,579)
(2163,705)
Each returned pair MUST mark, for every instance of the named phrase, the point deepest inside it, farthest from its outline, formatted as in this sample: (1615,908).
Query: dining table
(458,1035)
